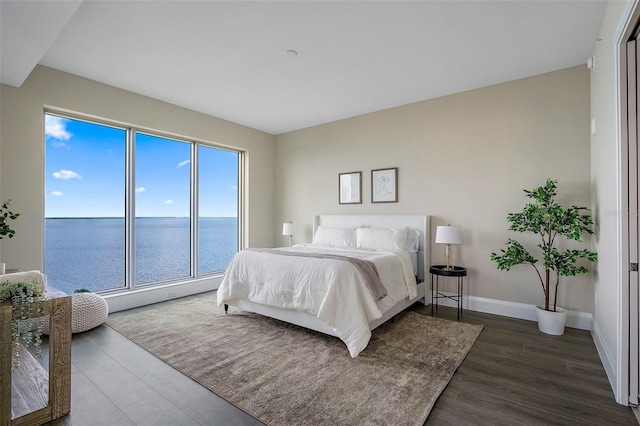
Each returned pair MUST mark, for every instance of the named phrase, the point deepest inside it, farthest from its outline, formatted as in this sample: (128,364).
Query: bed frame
(303,319)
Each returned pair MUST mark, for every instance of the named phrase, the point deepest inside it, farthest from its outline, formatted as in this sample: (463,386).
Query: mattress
(332,290)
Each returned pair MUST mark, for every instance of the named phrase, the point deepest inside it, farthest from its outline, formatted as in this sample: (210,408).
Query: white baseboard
(146,296)
(575,319)
(605,356)
(127,300)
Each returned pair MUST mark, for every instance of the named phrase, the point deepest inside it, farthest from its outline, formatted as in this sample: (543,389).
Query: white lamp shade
(288,228)
(448,235)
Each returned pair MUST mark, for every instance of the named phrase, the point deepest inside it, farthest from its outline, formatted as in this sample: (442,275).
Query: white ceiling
(227,58)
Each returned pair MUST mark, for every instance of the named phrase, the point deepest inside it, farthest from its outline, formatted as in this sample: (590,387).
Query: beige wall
(22,150)
(464,159)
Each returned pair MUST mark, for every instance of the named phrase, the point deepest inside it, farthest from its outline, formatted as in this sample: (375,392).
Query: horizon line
(139,217)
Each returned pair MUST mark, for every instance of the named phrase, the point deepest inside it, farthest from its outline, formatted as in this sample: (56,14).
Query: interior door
(633,217)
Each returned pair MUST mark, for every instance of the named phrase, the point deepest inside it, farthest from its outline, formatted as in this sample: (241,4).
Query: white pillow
(336,237)
(406,239)
(376,238)
(412,239)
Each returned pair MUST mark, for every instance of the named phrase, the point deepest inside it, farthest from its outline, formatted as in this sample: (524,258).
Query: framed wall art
(384,185)
(350,188)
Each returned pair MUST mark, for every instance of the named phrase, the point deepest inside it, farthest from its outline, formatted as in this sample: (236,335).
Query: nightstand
(438,271)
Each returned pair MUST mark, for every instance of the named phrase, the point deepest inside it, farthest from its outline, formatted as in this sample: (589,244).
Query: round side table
(442,271)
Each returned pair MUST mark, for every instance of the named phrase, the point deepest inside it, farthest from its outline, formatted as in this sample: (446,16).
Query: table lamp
(288,229)
(448,235)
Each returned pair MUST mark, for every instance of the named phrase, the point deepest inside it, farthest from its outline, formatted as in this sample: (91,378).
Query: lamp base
(447,254)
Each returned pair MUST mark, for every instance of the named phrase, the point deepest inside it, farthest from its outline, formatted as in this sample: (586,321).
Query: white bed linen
(330,289)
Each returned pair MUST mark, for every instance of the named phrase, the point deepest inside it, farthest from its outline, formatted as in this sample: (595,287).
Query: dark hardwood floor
(514,375)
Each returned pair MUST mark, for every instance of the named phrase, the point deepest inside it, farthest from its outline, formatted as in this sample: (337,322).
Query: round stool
(88,310)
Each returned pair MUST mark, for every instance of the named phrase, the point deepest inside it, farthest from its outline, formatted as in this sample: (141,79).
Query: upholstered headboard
(419,222)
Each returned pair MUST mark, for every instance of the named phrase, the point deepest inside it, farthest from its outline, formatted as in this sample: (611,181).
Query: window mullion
(195,215)
(240,203)
(130,211)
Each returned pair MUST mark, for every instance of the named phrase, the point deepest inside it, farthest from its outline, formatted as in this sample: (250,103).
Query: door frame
(627,335)
(631,218)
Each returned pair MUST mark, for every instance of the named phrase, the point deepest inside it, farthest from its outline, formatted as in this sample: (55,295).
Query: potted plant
(5,230)
(549,220)
(24,297)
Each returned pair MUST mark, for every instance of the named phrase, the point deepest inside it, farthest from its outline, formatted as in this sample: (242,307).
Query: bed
(325,285)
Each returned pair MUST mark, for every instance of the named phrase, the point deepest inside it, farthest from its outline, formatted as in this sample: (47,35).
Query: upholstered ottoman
(88,310)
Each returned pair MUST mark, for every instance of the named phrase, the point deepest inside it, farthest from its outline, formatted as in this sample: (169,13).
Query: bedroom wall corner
(23,150)
(463,159)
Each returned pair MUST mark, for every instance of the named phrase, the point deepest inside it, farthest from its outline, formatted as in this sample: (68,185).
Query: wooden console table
(40,396)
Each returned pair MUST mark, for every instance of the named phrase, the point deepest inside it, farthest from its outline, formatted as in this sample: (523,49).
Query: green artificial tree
(546,218)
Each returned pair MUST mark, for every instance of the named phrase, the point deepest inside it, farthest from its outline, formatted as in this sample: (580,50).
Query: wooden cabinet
(38,396)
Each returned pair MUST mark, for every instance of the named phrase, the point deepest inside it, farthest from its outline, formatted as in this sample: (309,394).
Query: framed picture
(350,188)
(384,185)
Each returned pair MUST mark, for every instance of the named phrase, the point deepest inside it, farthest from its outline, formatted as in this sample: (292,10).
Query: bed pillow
(336,237)
(406,239)
(413,239)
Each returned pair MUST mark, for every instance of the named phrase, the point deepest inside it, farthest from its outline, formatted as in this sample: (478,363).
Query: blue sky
(85,174)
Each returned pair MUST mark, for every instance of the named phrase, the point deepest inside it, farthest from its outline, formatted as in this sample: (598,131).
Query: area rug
(287,375)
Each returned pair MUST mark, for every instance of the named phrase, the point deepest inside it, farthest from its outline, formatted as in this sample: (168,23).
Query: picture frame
(350,188)
(384,185)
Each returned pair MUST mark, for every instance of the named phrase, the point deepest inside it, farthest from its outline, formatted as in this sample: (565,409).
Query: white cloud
(56,128)
(66,175)
(183,163)
(141,189)
(169,202)
(234,186)
(57,193)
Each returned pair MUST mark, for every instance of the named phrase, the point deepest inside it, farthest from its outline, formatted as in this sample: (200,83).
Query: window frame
(131,132)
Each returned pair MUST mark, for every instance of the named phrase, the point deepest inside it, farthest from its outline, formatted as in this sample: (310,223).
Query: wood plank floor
(513,375)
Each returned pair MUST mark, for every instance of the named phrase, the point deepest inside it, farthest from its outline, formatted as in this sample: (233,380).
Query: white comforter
(330,289)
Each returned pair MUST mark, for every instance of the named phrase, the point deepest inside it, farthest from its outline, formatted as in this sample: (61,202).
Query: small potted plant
(5,230)
(549,220)
(24,297)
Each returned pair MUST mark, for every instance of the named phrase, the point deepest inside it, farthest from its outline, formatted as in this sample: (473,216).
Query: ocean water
(90,252)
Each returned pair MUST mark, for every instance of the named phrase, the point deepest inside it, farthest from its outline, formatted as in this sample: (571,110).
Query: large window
(163,200)
(217,221)
(125,209)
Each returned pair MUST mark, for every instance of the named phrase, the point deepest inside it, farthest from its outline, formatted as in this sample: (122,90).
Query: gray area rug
(287,375)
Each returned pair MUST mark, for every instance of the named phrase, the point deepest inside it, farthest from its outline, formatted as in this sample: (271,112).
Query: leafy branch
(5,216)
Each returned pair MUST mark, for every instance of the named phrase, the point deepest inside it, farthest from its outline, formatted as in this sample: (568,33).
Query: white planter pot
(550,322)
